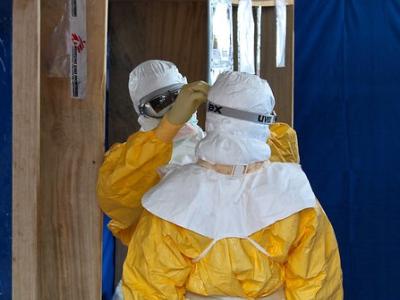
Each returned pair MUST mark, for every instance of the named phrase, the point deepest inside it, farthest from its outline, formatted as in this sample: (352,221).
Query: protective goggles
(241,114)
(157,103)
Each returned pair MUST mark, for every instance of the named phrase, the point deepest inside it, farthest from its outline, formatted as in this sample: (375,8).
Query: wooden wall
(59,145)
(142,30)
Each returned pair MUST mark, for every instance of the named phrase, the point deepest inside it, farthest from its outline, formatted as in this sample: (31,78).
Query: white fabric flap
(220,206)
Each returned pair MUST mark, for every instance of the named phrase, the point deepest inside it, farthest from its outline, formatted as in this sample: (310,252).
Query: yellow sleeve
(129,170)
(313,269)
(155,268)
(283,143)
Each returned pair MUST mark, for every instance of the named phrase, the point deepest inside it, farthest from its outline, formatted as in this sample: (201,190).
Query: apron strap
(232,170)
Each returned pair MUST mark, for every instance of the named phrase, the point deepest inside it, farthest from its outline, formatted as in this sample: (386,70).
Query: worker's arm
(313,269)
(129,170)
(154,267)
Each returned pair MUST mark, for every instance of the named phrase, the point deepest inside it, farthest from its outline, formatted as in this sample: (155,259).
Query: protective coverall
(166,260)
(130,169)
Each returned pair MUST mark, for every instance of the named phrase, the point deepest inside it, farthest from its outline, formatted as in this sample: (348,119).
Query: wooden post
(58,147)
(26,147)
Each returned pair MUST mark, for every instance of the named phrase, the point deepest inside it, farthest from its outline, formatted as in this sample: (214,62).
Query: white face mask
(147,124)
(189,129)
(184,142)
(246,142)
(186,131)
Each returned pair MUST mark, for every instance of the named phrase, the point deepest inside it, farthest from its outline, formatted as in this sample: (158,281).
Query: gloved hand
(189,99)
(191,96)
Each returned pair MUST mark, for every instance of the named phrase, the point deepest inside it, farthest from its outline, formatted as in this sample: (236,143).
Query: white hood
(245,141)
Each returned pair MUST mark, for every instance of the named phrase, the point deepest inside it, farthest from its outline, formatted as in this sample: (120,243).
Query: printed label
(78,67)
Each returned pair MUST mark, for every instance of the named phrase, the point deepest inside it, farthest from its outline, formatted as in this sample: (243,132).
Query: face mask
(147,124)
(186,131)
(189,129)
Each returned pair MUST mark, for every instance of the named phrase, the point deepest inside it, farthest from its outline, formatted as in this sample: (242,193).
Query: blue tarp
(108,262)
(5,147)
(347,109)
(108,246)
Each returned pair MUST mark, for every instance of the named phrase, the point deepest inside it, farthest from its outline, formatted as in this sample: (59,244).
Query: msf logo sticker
(79,44)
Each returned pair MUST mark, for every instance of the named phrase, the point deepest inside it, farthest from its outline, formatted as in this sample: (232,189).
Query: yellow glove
(189,99)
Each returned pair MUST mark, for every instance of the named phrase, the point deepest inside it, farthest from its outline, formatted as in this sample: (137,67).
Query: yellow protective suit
(304,259)
(130,170)
(159,265)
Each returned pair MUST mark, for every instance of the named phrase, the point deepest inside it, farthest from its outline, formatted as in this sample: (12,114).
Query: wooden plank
(72,138)
(264,3)
(141,30)
(26,147)
(280,79)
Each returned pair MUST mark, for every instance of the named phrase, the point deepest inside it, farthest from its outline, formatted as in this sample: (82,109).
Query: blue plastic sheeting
(5,147)
(347,113)
(108,261)
(108,246)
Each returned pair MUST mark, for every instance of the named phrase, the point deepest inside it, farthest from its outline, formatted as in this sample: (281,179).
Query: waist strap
(277,295)
(232,170)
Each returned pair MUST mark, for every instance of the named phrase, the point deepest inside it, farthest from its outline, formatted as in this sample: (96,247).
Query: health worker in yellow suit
(233,225)
(131,168)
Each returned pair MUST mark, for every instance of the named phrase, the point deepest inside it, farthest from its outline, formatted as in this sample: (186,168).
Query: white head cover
(245,140)
(148,77)
(153,75)
(220,206)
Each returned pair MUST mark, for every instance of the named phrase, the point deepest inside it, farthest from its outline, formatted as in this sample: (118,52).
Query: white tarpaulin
(245,30)
(280,9)
(221,43)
